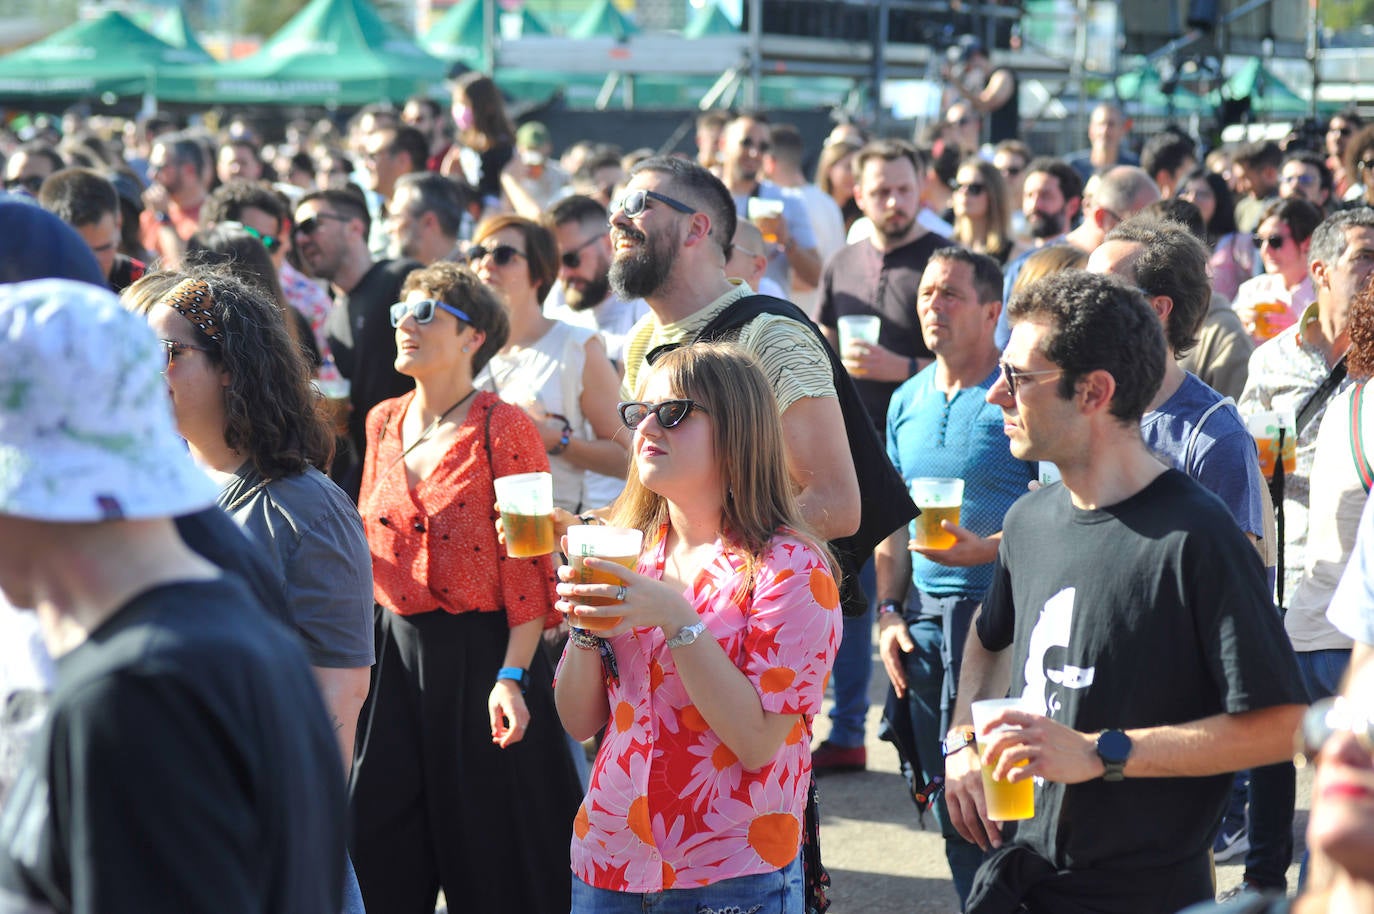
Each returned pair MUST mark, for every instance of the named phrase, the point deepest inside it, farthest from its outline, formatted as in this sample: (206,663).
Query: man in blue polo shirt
(939,423)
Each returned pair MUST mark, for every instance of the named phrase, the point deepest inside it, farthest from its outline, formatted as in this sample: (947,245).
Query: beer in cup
(612,544)
(1007,802)
(766,214)
(1271,318)
(939,498)
(1266,428)
(858,328)
(526,502)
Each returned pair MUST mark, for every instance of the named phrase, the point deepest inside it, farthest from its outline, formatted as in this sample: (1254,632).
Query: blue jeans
(779,892)
(352,895)
(852,671)
(1322,671)
(938,627)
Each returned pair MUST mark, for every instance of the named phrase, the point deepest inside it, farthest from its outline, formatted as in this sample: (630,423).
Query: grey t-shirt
(314,542)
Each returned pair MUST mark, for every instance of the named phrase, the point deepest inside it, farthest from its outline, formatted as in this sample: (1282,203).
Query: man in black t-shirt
(331,235)
(186,763)
(1131,617)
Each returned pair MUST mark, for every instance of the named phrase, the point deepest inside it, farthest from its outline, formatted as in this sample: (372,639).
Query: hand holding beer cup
(767,215)
(628,599)
(857,334)
(613,544)
(940,499)
(526,504)
(1007,800)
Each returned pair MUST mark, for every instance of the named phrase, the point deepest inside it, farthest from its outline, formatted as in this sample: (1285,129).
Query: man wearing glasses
(29,166)
(1131,617)
(1304,175)
(331,237)
(742,147)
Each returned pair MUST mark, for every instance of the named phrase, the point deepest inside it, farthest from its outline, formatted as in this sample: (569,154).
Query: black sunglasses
(501,253)
(1324,720)
(31,183)
(573,259)
(1014,376)
(669,413)
(973,188)
(423,311)
(634,201)
(175,348)
(761,145)
(1274,241)
(312,225)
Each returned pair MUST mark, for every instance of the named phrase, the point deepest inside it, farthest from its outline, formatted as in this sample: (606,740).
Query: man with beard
(582,296)
(1050,199)
(331,238)
(172,201)
(427,215)
(670,234)
(878,276)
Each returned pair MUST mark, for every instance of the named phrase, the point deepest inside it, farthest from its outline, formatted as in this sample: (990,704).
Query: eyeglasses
(423,311)
(634,201)
(1341,131)
(1324,720)
(573,259)
(175,348)
(669,413)
(1275,242)
(312,225)
(1014,376)
(501,254)
(1012,171)
(268,241)
(1304,180)
(762,145)
(972,188)
(30,183)
(1365,165)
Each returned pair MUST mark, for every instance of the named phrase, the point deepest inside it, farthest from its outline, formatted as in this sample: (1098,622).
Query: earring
(467,348)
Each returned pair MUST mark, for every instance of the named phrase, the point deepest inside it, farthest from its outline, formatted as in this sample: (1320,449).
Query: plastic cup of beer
(1007,802)
(526,501)
(939,498)
(766,214)
(1271,318)
(613,544)
(1266,428)
(858,328)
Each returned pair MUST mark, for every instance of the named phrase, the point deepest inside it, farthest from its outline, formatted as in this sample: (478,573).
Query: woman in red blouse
(708,687)
(462,779)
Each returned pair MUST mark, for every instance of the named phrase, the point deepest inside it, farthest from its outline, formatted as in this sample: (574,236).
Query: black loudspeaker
(1203,14)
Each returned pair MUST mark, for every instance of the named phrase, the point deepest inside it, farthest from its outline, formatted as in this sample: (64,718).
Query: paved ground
(879,859)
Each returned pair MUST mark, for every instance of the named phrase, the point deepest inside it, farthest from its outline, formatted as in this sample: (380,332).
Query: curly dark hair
(1098,323)
(272,413)
(1359,358)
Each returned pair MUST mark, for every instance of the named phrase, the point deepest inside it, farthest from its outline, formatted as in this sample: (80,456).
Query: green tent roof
(91,58)
(457,35)
(333,52)
(602,20)
(1267,93)
(710,21)
(176,31)
(1141,90)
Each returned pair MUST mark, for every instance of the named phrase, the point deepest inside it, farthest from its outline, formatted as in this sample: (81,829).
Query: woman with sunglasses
(708,686)
(462,780)
(1234,258)
(1273,300)
(1337,734)
(559,374)
(982,213)
(242,399)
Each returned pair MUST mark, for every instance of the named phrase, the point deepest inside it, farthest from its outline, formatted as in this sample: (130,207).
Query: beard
(641,272)
(589,294)
(894,227)
(1045,225)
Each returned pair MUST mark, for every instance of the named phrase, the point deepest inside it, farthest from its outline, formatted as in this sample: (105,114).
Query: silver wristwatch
(686,636)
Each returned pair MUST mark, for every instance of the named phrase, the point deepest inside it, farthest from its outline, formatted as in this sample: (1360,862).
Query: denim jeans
(779,892)
(352,895)
(1322,671)
(852,671)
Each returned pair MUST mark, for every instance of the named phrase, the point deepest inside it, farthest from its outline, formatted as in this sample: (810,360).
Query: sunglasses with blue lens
(423,311)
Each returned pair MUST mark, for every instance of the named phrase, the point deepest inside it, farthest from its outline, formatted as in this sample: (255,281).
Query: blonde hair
(760,498)
(1048,260)
(997,222)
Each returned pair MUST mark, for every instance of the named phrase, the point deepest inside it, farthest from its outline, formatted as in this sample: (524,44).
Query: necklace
(435,424)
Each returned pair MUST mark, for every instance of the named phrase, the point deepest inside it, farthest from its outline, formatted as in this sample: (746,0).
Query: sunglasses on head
(312,225)
(1324,720)
(669,413)
(31,183)
(1014,376)
(573,259)
(175,348)
(635,201)
(1274,241)
(502,254)
(972,188)
(423,311)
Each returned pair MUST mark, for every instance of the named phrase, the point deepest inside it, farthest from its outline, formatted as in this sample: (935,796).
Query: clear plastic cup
(526,502)
(614,544)
(1007,802)
(939,498)
(1265,428)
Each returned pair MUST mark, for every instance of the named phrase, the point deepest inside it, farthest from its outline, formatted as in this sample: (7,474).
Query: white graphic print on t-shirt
(1046,668)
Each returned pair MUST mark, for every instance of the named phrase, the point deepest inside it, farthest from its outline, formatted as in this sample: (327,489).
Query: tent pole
(755,93)
(489,37)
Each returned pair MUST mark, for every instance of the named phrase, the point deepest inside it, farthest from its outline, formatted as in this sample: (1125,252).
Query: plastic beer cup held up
(526,501)
(1007,802)
(939,498)
(766,214)
(857,328)
(1265,427)
(614,544)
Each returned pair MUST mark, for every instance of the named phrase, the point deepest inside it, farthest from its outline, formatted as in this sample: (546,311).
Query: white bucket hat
(86,428)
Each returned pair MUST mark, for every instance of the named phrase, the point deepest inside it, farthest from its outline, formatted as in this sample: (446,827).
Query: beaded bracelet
(582,638)
(564,439)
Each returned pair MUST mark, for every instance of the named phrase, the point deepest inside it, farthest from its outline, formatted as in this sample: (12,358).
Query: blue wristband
(515,674)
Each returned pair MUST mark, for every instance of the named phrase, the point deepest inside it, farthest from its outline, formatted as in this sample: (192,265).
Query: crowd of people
(284,659)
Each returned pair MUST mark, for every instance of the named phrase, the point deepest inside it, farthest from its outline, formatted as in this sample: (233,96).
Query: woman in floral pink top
(708,687)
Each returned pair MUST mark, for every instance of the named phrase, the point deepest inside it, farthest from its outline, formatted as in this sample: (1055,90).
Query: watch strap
(686,635)
(957,742)
(889,606)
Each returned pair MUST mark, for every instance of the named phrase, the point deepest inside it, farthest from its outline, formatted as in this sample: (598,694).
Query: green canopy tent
(1268,94)
(710,21)
(602,20)
(458,34)
(105,56)
(176,31)
(1142,90)
(332,53)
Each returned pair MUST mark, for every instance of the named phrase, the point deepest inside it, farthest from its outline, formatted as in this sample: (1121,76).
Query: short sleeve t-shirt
(1352,605)
(798,221)
(312,536)
(1149,612)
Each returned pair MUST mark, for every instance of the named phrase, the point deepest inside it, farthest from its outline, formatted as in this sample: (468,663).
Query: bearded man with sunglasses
(331,233)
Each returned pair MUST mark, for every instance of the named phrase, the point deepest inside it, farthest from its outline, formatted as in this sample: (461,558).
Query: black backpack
(885,504)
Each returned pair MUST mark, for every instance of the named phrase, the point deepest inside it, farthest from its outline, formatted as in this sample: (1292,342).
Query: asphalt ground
(880,859)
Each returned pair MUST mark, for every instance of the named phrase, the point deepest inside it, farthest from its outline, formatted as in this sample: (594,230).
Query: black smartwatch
(1114,748)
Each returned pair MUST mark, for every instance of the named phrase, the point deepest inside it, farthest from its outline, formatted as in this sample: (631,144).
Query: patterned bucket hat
(86,427)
